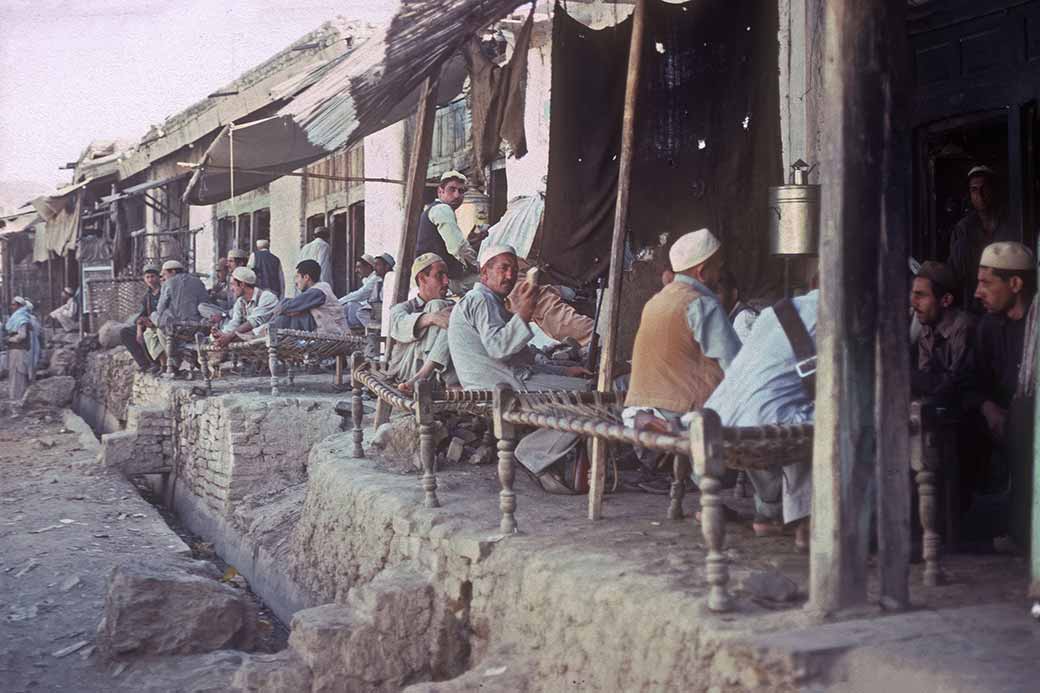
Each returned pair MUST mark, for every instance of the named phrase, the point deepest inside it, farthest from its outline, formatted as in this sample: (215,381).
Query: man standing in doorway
(985,224)
(268,268)
(439,233)
(319,251)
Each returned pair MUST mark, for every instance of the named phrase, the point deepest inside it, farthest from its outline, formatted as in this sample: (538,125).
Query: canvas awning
(21,220)
(61,213)
(354,96)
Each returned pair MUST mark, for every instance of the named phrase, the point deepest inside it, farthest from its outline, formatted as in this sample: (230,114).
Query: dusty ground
(64,522)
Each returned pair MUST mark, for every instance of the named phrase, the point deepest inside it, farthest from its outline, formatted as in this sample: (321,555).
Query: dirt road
(64,522)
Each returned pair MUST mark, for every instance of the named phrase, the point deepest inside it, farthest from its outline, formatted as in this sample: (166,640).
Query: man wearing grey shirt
(488,346)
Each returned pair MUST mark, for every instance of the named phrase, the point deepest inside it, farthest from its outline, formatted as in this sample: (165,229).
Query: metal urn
(794,214)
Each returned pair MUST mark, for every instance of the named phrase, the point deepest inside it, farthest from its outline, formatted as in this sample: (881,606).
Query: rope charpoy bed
(293,348)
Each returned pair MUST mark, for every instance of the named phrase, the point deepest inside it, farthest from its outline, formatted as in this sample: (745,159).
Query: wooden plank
(415,188)
(858,69)
(617,249)
(892,407)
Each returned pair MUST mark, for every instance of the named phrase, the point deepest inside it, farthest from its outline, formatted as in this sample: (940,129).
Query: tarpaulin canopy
(61,213)
(21,220)
(354,96)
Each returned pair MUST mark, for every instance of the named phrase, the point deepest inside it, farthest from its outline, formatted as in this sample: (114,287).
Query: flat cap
(244,275)
(488,251)
(1007,255)
(938,273)
(238,254)
(453,175)
(424,261)
(388,259)
(172,265)
(150,267)
(693,249)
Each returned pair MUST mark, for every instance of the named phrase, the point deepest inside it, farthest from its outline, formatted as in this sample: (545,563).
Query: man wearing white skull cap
(489,345)
(1006,288)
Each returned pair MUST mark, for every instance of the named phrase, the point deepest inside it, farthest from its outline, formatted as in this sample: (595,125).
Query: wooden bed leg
(339,371)
(424,418)
(204,363)
(923,462)
(272,359)
(506,434)
(357,407)
(707,455)
(170,370)
(678,490)
(740,490)
(289,373)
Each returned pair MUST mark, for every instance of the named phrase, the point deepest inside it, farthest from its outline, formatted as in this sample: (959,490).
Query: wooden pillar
(612,304)
(860,92)
(415,189)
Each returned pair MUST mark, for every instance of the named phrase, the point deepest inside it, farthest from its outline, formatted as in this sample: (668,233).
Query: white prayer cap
(453,175)
(1007,255)
(263,244)
(19,300)
(981,171)
(244,275)
(238,254)
(494,250)
(172,265)
(693,249)
(424,261)
(369,259)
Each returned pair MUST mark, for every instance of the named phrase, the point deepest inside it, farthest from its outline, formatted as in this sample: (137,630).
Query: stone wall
(105,389)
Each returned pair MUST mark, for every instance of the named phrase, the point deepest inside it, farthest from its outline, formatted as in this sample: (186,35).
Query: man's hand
(645,421)
(995,417)
(405,387)
(523,301)
(577,372)
(222,339)
(440,319)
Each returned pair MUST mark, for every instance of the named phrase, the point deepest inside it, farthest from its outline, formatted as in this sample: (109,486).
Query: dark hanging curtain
(707,135)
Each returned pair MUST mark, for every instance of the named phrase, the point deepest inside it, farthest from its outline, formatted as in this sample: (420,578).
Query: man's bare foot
(767,528)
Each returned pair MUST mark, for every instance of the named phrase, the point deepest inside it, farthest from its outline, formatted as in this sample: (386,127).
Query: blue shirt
(761,386)
(710,325)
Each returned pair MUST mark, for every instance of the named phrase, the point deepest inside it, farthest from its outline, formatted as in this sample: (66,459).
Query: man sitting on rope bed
(419,327)
(314,308)
(684,344)
(488,344)
(253,308)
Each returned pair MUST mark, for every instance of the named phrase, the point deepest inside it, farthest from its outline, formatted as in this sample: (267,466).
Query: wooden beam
(859,86)
(415,189)
(892,359)
(617,249)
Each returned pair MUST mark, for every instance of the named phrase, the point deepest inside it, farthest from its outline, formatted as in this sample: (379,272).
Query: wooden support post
(860,99)
(1034,560)
(611,306)
(414,196)
(357,406)
(506,434)
(710,466)
(425,422)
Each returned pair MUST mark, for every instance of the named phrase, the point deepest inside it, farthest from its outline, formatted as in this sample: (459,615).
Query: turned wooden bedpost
(204,363)
(678,490)
(272,358)
(506,434)
(924,462)
(709,464)
(357,406)
(424,419)
(170,371)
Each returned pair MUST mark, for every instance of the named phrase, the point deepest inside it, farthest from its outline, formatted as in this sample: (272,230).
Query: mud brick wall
(105,389)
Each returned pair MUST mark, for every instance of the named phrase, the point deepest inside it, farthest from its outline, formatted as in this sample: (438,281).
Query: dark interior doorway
(947,151)
(341,264)
(357,240)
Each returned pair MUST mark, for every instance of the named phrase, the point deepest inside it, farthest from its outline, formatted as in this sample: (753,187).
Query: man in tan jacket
(685,341)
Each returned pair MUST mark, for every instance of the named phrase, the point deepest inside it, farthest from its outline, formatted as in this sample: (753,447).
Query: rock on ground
(108,334)
(50,392)
(172,607)
(379,641)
